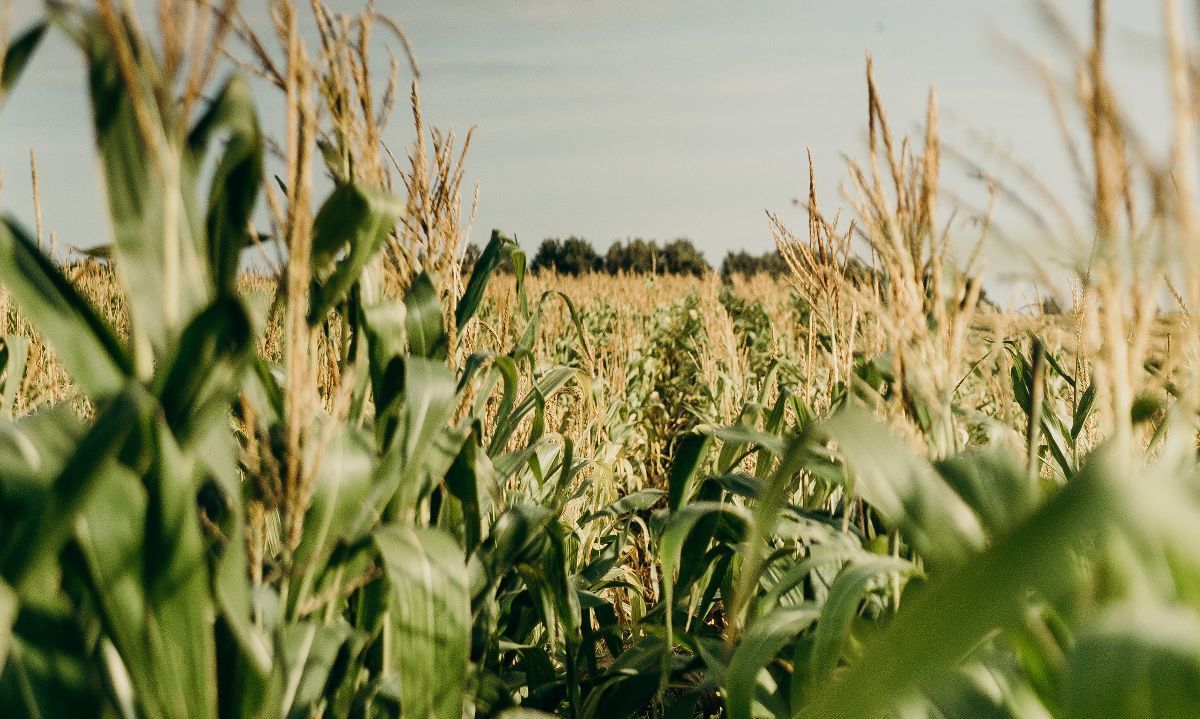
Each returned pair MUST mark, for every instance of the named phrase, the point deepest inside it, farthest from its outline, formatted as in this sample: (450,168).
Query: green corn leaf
(517,257)
(544,388)
(1086,402)
(354,222)
(177,582)
(158,250)
(1057,366)
(564,480)
(905,490)
(757,648)
(1153,648)
(934,631)
(990,688)
(501,370)
(517,535)
(765,515)
(472,480)
(81,339)
(525,344)
(17,56)
(993,485)
(424,323)
(265,387)
(201,378)
(384,325)
(631,682)
(341,486)
(430,616)
(695,555)
(34,554)
(50,671)
(308,652)
(235,181)
(1053,430)
(144,564)
(840,609)
(498,247)
(545,689)
(523,713)
(422,446)
(690,453)
(738,484)
(33,452)
(492,697)
(676,534)
(739,438)
(549,578)
(1055,436)
(242,644)
(821,556)
(573,313)
(110,536)
(631,503)
(773,424)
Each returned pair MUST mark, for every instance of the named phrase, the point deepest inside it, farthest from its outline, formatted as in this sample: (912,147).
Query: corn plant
(163,555)
(382,520)
(846,577)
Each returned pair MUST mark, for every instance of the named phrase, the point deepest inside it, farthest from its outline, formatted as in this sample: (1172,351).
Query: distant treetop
(576,256)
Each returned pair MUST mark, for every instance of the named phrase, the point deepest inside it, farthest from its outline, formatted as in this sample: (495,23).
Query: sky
(610,119)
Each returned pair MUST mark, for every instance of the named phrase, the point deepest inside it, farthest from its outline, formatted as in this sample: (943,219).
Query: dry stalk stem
(301,400)
(37,197)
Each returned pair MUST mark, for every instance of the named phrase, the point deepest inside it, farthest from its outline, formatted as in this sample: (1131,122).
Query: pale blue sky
(609,119)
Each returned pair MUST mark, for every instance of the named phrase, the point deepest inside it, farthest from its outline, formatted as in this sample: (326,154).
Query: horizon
(609,122)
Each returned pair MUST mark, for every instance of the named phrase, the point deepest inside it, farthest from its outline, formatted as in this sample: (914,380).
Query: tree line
(576,256)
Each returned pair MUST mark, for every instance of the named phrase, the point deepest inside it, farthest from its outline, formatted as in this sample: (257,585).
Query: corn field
(368,480)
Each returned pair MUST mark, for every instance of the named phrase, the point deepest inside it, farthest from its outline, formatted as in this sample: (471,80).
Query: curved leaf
(236,180)
(690,453)
(158,254)
(543,389)
(341,487)
(431,620)
(1153,648)
(356,220)
(35,553)
(16,56)
(81,339)
(423,447)
(758,648)
(424,323)
(905,490)
(199,381)
(675,535)
(498,247)
(933,632)
(8,616)
(840,608)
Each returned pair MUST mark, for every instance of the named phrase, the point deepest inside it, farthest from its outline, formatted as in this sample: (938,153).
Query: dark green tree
(636,256)
(615,260)
(744,263)
(572,256)
(680,257)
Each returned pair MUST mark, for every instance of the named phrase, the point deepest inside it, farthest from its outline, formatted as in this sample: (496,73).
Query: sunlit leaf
(431,619)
